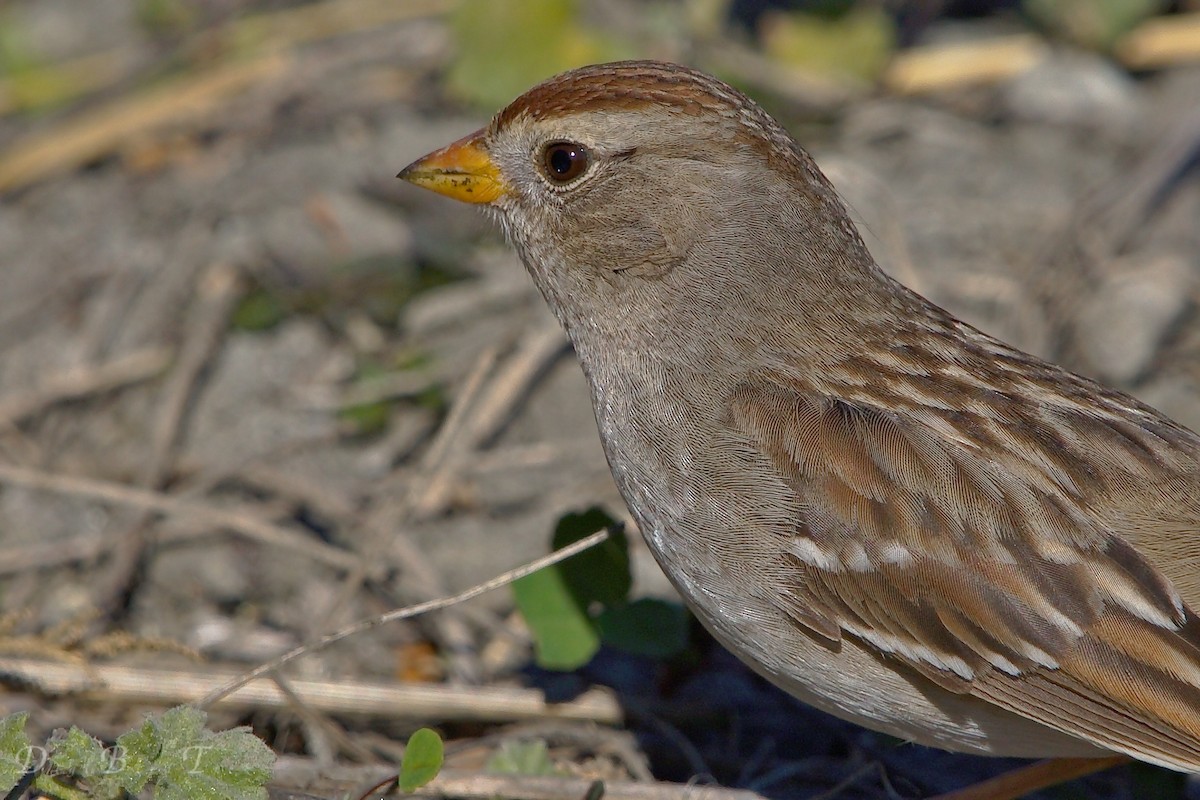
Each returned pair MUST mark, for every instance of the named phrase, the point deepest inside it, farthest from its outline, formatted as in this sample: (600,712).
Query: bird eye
(563,162)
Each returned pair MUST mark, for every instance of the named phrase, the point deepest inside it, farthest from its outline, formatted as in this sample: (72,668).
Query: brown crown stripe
(622,85)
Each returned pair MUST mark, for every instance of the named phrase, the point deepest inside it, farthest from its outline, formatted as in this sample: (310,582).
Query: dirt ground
(253,389)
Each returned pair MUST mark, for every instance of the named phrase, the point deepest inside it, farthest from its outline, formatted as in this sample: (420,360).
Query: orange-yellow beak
(462,170)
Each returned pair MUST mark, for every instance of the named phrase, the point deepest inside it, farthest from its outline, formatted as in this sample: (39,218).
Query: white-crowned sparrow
(886,512)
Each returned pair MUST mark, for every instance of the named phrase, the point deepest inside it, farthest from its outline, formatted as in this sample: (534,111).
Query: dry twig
(83,381)
(406,613)
(207,323)
(103,130)
(134,685)
(455,783)
(245,524)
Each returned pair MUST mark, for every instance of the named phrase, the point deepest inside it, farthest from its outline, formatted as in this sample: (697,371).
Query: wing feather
(984,567)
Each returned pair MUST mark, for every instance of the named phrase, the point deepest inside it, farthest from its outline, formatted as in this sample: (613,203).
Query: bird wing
(975,545)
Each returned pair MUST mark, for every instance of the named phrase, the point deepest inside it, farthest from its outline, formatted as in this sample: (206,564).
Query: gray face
(654,229)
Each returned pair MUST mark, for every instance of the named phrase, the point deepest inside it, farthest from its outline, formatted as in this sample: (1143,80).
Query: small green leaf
(559,602)
(175,753)
(522,758)
(600,574)
(16,751)
(564,636)
(366,419)
(423,757)
(198,764)
(134,757)
(259,310)
(77,753)
(646,627)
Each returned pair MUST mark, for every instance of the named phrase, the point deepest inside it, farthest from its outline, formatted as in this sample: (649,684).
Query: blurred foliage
(601,574)
(856,43)
(373,377)
(375,285)
(365,419)
(506,46)
(30,84)
(165,17)
(259,310)
(422,761)
(646,627)
(172,752)
(1096,24)
(574,606)
(522,758)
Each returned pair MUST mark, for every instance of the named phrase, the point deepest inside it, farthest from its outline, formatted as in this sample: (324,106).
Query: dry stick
(406,613)
(416,566)
(134,686)
(90,546)
(455,783)
(536,350)
(495,406)
(335,780)
(80,382)
(207,322)
(321,724)
(939,67)
(378,390)
(1161,42)
(244,524)
(455,422)
(94,133)
(44,555)
(296,489)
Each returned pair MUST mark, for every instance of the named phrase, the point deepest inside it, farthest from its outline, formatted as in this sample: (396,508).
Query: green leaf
(559,602)
(16,751)
(522,758)
(506,46)
(423,757)
(600,574)
(854,45)
(1096,24)
(175,753)
(134,758)
(564,636)
(646,627)
(198,764)
(77,753)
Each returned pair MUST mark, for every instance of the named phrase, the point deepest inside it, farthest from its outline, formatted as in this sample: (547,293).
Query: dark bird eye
(563,162)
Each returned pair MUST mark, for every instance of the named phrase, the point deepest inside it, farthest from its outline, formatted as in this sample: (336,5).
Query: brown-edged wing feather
(985,558)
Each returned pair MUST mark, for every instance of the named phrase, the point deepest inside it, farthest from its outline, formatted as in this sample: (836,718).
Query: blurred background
(253,388)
